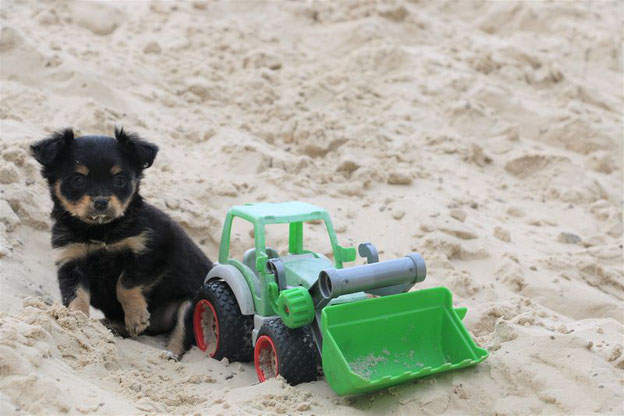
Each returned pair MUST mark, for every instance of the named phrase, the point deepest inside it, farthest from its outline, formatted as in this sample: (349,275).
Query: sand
(486,136)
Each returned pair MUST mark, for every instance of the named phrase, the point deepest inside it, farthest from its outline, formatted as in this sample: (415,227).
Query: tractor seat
(249,258)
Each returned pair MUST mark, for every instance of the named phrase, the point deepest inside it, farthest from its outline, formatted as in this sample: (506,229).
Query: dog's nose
(100,203)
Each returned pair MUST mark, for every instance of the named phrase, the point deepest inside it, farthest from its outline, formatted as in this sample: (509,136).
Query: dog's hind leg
(181,337)
(163,318)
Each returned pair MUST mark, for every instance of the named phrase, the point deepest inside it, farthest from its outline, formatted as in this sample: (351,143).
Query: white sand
(475,133)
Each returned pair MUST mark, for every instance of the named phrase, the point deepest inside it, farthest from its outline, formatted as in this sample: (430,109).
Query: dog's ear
(142,152)
(47,150)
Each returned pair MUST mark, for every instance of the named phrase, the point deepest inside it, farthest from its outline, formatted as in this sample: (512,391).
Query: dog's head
(94,178)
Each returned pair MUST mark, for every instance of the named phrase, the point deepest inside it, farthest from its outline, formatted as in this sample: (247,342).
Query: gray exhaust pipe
(401,274)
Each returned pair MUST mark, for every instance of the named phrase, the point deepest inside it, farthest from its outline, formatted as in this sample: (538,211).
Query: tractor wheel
(288,352)
(220,329)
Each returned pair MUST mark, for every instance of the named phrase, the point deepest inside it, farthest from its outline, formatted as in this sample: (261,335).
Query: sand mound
(485,135)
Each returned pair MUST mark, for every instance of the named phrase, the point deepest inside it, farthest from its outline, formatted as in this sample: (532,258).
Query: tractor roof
(284,212)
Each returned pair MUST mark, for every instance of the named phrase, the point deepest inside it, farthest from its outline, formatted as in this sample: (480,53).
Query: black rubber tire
(235,329)
(296,353)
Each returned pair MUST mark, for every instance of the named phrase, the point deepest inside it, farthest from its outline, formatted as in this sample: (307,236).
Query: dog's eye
(78,181)
(119,181)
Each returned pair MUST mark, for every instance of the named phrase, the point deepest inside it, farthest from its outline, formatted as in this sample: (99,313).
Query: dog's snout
(100,203)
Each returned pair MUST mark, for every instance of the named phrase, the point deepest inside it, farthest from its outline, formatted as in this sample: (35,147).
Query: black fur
(170,269)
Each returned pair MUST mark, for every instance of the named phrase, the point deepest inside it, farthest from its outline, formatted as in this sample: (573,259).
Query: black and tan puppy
(115,251)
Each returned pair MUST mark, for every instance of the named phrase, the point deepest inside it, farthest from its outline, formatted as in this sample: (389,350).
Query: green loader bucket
(380,342)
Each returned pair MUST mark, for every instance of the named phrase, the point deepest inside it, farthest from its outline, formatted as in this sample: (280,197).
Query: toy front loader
(389,340)
(368,330)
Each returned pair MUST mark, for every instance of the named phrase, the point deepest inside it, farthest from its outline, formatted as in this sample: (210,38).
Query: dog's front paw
(137,321)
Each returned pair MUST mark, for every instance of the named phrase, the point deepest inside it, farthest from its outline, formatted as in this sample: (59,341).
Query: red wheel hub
(265,358)
(206,327)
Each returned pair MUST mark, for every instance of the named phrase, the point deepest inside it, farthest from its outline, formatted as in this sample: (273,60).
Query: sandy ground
(487,136)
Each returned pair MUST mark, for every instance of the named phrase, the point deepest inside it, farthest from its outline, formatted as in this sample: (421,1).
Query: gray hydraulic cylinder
(408,270)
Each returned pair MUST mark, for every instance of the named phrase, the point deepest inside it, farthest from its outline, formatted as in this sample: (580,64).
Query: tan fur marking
(81,302)
(119,207)
(77,251)
(78,208)
(176,341)
(134,304)
(82,169)
(136,243)
(73,251)
(115,169)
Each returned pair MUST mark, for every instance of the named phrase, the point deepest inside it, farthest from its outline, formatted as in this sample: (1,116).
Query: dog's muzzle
(100,211)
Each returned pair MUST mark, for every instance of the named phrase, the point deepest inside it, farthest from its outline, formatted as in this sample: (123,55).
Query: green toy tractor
(299,314)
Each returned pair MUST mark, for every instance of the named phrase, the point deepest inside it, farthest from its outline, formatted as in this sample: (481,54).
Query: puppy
(113,250)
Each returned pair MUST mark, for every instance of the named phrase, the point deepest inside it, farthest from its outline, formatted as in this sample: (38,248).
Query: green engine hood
(303,269)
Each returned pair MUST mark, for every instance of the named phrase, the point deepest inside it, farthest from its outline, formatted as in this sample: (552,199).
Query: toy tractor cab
(300,313)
